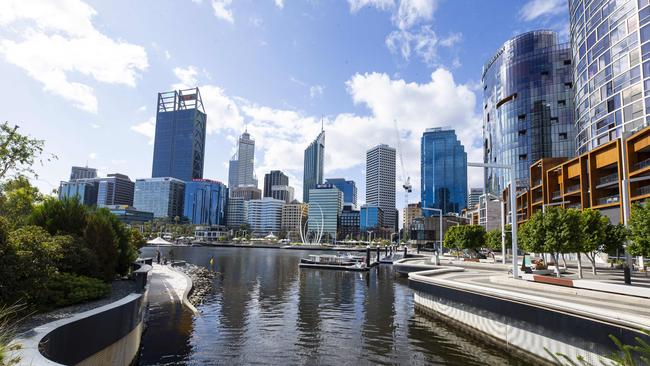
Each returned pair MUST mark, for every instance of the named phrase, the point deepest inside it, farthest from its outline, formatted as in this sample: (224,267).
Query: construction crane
(407,182)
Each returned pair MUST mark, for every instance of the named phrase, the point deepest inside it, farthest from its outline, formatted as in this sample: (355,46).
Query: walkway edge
(190,286)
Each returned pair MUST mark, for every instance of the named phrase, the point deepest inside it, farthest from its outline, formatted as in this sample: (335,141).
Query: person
(212,262)
(158,256)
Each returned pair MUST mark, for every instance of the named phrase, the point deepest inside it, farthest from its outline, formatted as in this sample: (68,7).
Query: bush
(66,216)
(74,256)
(65,289)
(101,239)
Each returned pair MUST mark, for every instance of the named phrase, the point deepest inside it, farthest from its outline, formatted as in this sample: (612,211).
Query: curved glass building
(527,106)
(609,40)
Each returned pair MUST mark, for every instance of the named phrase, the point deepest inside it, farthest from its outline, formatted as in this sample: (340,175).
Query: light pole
(439,232)
(369,236)
(513,207)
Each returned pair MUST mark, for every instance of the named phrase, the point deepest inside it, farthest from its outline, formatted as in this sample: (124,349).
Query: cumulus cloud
(356,5)
(186,76)
(423,42)
(411,12)
(53,40)
(534,9)
(279,3)
(316,91)
(146,128)
(222,10)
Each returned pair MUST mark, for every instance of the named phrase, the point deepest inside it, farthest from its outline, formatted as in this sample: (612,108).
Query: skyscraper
(241,172)
(610,52)
(474,194)
(115,189)
(205,202)
(85,190)
(325,205)
(265,216)
(274,178)
(179,146)
(348,187)
(313,165)
(443,171)
(380,182)
(161,196)
(527,106)
(82,172)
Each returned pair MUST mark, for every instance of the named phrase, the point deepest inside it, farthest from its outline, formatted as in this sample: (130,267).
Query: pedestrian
(212,263)
(158,256)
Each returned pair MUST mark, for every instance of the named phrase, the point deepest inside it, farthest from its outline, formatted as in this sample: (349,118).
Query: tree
(17,200)
(471,237)
(593,236)
(615,238)
(101,239)
(66,216)
(126,252)
(18,152)
(532,234)
(137,240)
(640,230)
(74,256)
(493,240)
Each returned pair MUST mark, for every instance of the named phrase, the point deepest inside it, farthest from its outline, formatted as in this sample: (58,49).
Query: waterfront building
(129,215)
(236,216)
(472,198)
(380,182)
(246,192)
(115,189)
(210,233)
(313,165)
(371,217)
(350,220)
(82,172)
(241,172)
(163,196)
(265,216)
(609,41)
(412,211)
(294,216)
(443,171)
(284,193)
(274,178)
(348,187)
(205,202)
(83,189)
(426,230)
(179,144)
(489,212)
(528,106)
(325,205)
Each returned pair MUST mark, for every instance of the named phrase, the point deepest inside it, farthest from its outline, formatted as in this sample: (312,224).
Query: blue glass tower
(371,216)
(313,165)
(348,187)
(443,171)
(179,145)
(205,202)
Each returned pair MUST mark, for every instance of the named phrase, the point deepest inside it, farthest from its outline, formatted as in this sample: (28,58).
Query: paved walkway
(166,285)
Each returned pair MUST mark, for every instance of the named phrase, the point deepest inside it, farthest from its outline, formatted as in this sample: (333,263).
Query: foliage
(18,152)
(66,216)
(593,226)
(137,240)
(126,252)
(101,239)
(532,234)
(9,317)
(465,237)
(17,200)
(640,230)
(74,256)
(615,237)
(65,289)
(625,356)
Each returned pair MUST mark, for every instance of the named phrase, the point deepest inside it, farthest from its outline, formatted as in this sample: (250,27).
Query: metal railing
(572,188)
(537,182)
(609,199)
(607,179)
(556,194)
(641,164)
(643,191)
(572,205)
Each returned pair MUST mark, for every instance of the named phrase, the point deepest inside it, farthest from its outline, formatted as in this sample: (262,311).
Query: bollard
(418,248)
(386,251)
(368,257)
(405,251)
(378,253)
(627,275)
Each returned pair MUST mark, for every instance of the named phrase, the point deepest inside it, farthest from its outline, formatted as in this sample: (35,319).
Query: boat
(329,261)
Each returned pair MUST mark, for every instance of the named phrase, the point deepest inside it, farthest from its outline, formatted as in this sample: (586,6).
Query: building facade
(236,215)
(129,215)
(284,193)
(241,172)
(247,193)
(443,172)
(489,212)
(609,41)
(473,197)
(294,217)
(325,205)
(348,187)
(265,216)
(115,189)
(426,230)
(162,196)
(82,172)
(412,211)
(274,178)
(205,202)
(380,182)
(83,189)
(179,145)
(349,224)
(371,217)
(313,165)
(528,109)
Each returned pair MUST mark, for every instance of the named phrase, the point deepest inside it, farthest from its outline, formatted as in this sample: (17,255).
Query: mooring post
(418,248)
(405,251)
(378,253)
(386,251)
(368,257)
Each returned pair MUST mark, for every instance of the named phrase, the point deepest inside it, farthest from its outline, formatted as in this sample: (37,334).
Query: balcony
(607,179)
(572,188)
(537,182)
(556,195)
(642,191)
(608,200)
(641,164)
(572,205)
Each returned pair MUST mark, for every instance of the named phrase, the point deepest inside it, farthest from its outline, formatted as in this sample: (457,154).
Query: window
(568,85)
(522,157)
(567,62)
(563,135)
(522,132)
(561,102)
(544,73)
(522,117)
(554,119)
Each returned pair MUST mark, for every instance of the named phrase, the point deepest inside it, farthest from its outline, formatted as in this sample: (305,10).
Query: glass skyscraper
(313,165)
(612,64)
(348,187)
(161,196)
(443,171)
(205,202)
(527,106)
(241,171)
(380,182)
(179,146)
(325,205)
(274,178)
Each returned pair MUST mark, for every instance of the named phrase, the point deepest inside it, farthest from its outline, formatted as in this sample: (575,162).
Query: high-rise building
(313,165)
(371,217)
(179,146)
(443,171)
(489,212)
(163,196)
(412,211)
(241,172)
(284,193)
(247,193)
(265,216)
(274,178)
(115,190)
(472,198)
(380,182)
(83,189)
(528,110)
(294,216)
(236,216)
(82,172)
(350,219)
(325,204)
(610,53)
(348,187)
(205,202)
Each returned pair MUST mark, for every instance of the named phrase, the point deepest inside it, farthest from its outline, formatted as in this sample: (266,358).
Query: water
(266,310)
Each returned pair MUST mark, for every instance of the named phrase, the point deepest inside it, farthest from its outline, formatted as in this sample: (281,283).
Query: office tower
(179,146)
(527,106)
(443,171)
(325,204)
(474,194)
(247,193)
(350,219)
(294,216)
(489,212)
(284,193)
(380,182)
(236,216)
(313,165)
(609,48)
(265,216)
(274,178)
(129,215)
(82,172)
(115,189)
(241,172)
(83,189)
(348,187)
(371,217)
(163,196)
(412,211)
(205,202)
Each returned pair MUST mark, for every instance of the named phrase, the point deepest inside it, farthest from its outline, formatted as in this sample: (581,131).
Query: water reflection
(265,310)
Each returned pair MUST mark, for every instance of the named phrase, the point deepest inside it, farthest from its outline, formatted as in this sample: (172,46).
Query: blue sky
(84,76)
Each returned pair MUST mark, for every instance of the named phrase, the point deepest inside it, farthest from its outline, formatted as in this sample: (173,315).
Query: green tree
(470,237)
(615,238)
(137,240)
(101,239)
(532,234)
(493,240)
(17,200)
(66,216)
(593,227)
(126,252)
(18,152)
(640,230)
(562,229)
(74,256)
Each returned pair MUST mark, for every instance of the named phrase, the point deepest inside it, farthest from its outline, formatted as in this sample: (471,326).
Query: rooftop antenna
(321,123)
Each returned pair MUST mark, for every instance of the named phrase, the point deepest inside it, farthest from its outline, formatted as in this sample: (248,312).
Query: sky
(84,77)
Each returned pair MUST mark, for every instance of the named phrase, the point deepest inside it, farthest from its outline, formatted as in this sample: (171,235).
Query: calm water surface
(266,310)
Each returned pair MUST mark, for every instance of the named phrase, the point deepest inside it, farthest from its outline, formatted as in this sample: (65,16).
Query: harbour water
(264,309)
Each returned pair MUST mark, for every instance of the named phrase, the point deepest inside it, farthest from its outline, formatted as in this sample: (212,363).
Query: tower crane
(403,174)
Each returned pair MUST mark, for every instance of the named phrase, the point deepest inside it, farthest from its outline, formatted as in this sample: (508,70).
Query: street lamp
(439,231)
(513,206)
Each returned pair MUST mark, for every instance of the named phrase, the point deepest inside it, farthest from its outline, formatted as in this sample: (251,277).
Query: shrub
(66,216)
(74,256)
(100,237)
(65,289)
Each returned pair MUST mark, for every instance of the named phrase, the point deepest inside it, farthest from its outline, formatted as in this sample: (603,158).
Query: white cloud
(187,76)
(146,128)
(222,10)
(424,43)
(92,156)
(53,40)
(356,5)
(95,125)
(411,12)
(279,3)
(167,55)
(316,91)
(534,9)
(451,40)
(142,108)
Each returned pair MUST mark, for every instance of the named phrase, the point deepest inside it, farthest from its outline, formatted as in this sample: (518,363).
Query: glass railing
(610,178)
(641,164)
(608,200)
(572,205)
(643,191)
(537,182)
(556,194)
(573,188)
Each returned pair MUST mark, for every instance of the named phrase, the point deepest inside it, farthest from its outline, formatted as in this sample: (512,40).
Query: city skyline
(114,103)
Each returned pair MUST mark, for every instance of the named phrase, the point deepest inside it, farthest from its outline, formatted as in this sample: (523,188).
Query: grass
(9,317)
